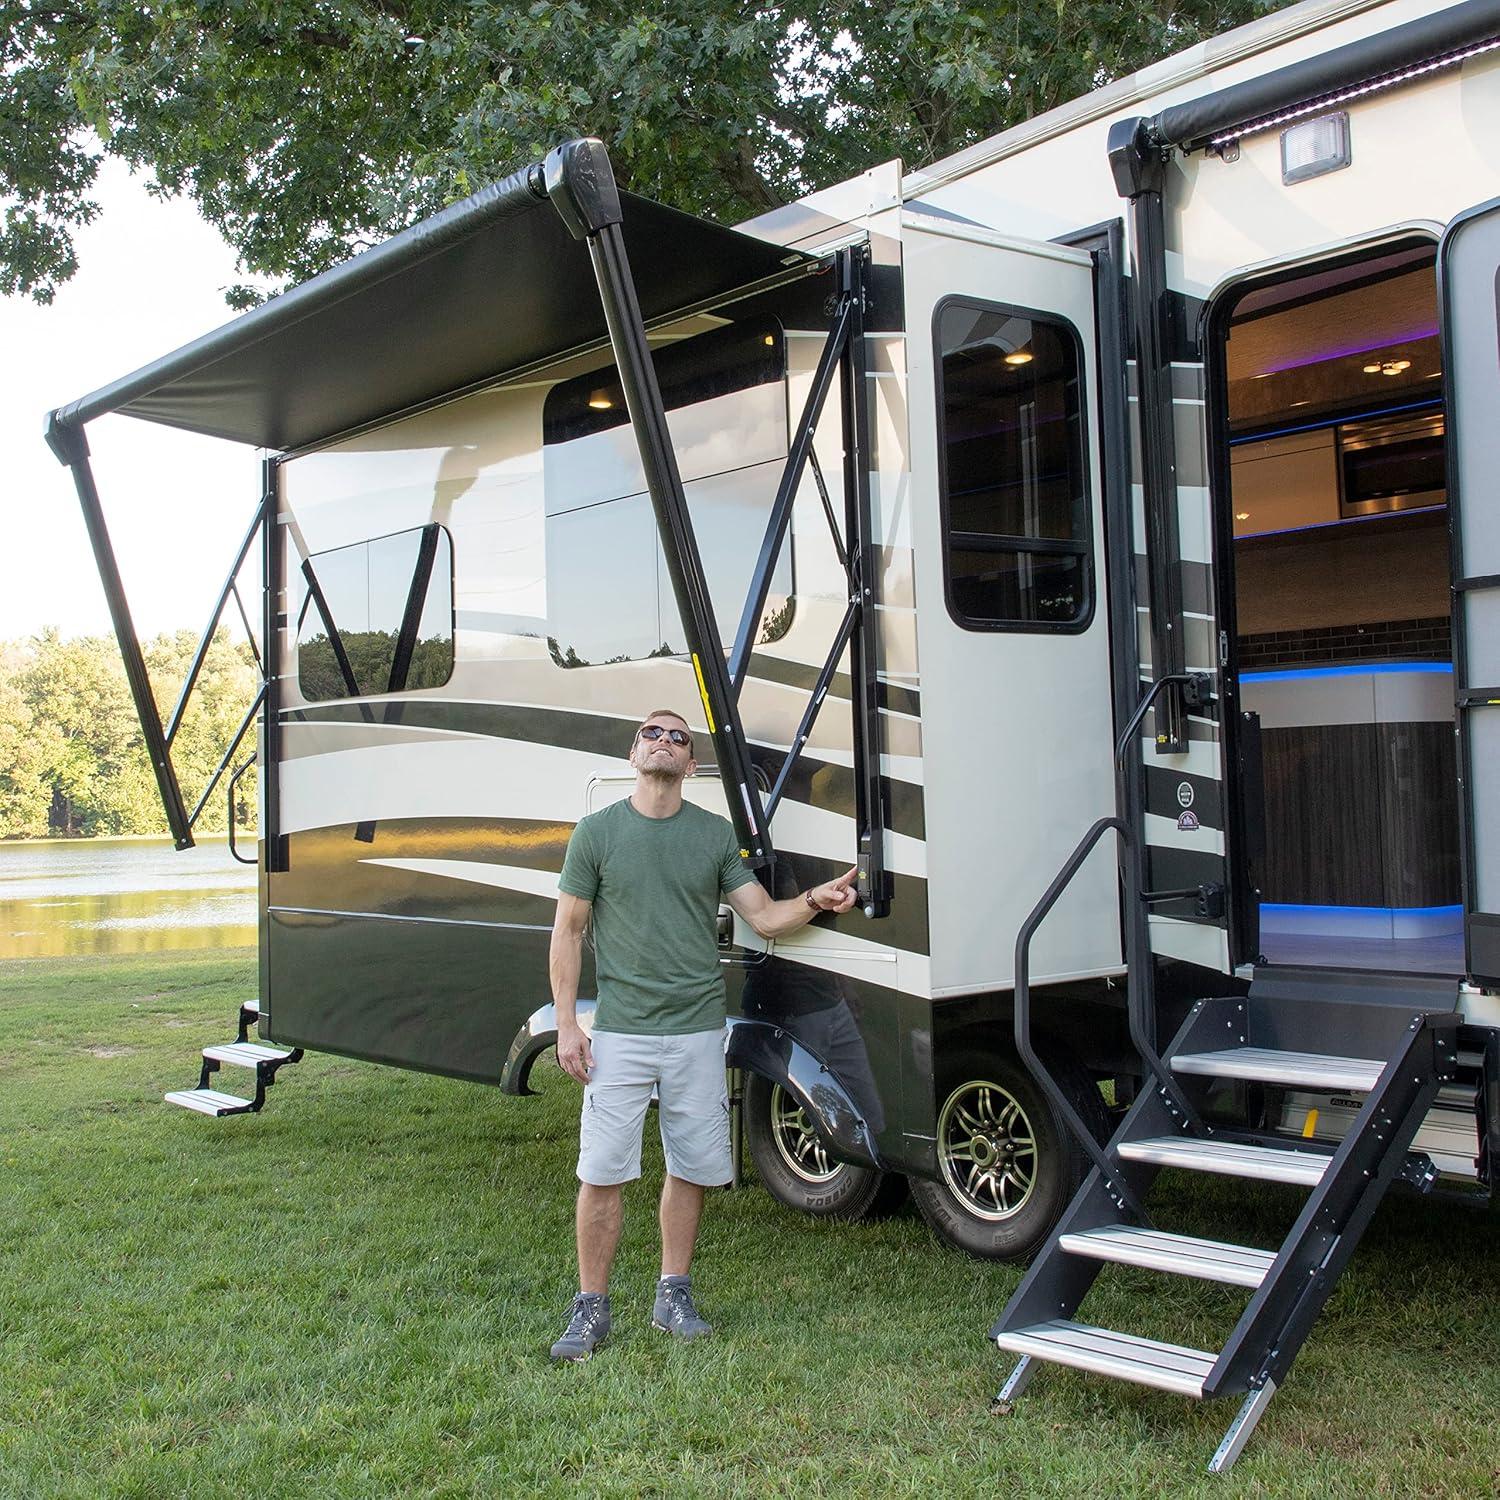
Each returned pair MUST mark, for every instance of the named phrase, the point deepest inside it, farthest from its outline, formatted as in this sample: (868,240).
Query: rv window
(609,595)
(377,617)
(1014,482)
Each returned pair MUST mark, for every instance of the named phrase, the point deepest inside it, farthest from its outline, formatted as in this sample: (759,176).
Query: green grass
(352,1294)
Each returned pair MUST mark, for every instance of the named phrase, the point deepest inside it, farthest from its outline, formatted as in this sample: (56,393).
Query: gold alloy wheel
(797,1143)
(987,1150)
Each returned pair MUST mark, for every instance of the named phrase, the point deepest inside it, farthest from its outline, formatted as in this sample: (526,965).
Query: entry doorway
(1340,608)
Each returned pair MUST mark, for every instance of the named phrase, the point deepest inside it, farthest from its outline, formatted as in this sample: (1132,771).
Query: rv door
(1468,267)
(1014,632)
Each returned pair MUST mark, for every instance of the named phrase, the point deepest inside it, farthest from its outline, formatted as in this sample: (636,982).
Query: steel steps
(1304,1070)
(1381,1106)
(263,1059)
(1102,1351)
(1229,1159)
(1177,1254)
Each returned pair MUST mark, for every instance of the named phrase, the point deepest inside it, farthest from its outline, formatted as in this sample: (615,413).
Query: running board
(1288,1288)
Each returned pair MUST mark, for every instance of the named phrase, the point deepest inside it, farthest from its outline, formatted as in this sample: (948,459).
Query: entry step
(247,1054)
(1229,1159)
(1179,1254)
(1102,1351)
(1304,1070)
(210,1101)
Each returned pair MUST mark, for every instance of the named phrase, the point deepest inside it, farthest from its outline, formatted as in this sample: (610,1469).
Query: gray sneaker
(674,1312)
(588,1327)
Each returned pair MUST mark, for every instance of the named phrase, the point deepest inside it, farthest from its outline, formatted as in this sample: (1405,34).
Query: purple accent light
(1426,331)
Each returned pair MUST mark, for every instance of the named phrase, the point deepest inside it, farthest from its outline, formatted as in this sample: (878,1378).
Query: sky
(151,277)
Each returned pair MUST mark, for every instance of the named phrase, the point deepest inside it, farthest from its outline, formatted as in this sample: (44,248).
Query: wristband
(807,896)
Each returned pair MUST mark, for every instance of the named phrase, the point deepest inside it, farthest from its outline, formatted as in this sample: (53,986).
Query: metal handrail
(233,782)
(1140,991)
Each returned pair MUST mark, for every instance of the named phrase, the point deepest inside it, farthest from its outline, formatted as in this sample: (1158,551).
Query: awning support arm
(786,492)
(864,573)
(579,181)
(72,450)
(191,681)
(814,703)
(1139,168)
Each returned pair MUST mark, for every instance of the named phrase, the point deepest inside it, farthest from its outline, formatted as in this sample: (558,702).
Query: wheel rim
(987,1150)
(797,1143)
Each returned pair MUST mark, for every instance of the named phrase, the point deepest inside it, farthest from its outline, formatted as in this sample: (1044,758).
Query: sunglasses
(656,731)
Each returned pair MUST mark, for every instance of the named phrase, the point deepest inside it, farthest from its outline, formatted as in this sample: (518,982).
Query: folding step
(247,1054)
(210,1101)
(1179,1254)
(1305,1070)
(1168,1367)
(1229,1159)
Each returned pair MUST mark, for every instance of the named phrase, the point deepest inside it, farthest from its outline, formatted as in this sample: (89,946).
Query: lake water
(80,896)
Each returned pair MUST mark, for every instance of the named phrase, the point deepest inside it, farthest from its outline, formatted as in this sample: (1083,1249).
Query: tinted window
(1015,490)
(609,594)
(377,617)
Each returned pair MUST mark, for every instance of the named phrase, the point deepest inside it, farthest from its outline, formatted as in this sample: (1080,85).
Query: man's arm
(773,919)
(564,962)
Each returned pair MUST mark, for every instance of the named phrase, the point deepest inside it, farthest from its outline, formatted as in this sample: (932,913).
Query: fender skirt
(760,1047)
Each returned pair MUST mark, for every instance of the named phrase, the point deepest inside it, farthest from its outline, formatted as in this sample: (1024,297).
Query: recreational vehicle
(1092,535)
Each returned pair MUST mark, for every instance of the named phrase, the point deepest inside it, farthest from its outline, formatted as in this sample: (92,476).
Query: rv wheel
(1008,1164)
(795,1167)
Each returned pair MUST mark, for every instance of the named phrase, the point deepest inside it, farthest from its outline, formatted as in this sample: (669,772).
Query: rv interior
(1341,611)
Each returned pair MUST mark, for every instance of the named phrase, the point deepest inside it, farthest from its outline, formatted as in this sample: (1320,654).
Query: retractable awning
(491,285)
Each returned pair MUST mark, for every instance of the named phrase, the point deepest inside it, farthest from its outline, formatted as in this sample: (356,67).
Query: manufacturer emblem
(1184,794)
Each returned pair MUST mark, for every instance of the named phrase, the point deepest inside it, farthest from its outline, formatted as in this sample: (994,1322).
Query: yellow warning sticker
(1310,1124)
(703,693)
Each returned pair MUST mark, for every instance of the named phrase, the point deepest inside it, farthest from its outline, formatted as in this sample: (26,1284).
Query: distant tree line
(72,758)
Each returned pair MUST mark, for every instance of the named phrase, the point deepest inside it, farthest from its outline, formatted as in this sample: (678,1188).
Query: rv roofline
(1171,73)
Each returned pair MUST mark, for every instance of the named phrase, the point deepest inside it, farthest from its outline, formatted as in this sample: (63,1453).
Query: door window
(1013,474)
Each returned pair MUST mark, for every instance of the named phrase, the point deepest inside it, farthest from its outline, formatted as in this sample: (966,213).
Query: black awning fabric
(491,285)
(1193,124)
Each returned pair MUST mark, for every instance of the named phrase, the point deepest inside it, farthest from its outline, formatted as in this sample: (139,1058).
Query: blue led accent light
(1376,669)
(1317,424)
(1392,912)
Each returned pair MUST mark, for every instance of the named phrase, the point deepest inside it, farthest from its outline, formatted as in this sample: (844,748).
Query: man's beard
(658,771)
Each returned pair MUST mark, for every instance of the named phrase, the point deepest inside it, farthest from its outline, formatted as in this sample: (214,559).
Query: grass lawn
(352,1294)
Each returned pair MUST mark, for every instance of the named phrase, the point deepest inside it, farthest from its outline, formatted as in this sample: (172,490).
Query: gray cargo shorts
(693,1105)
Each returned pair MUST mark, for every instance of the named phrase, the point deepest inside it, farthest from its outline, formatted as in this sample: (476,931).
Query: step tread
(1313,1070)
(246,1054)
(207,1101)
(1179,1254)
(1230,1159)
(1103,1351)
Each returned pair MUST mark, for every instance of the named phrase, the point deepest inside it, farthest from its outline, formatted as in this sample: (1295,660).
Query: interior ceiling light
(600,401)
(1242,515)
(1018,357)
(1388,367)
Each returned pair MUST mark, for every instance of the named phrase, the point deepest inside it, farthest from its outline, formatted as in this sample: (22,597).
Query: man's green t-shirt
(655,884)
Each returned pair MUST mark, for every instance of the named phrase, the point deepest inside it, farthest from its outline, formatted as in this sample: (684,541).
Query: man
(651,872)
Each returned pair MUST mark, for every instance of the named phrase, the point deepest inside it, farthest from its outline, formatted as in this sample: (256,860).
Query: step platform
(1177,1254)
(247,1054)
(1102,1351)
(1229,1159)
(1302,1070)
(210,1101)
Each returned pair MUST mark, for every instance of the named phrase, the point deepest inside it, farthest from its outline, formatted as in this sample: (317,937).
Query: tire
(1003,1205)
(795,1167)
